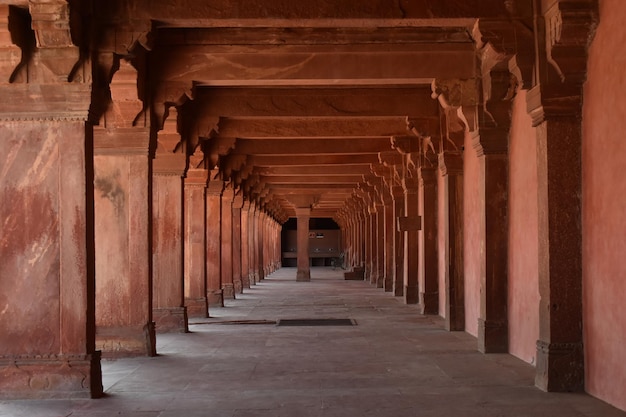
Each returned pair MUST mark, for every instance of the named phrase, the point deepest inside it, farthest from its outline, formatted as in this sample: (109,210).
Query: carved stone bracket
(10,54)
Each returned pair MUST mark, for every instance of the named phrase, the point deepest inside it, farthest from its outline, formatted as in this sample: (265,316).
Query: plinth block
(228,290)
(493,336)
(303,276)
(50,376)
(197,307)
(216,298)
(411,294)
(127,341)
(560,367)
(171,320)
(429,302)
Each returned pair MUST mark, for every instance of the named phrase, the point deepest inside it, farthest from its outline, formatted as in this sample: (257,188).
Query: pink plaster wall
(604,208)
(523,297)
(443,239)
(473,233)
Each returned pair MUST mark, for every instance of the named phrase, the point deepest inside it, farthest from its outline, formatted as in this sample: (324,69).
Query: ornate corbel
(10,54)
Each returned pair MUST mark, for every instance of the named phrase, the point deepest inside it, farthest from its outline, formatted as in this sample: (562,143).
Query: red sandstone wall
(443,239)
(523,298)
(474,234)
(604,208)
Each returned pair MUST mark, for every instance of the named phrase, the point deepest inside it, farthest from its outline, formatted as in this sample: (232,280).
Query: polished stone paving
(393,363)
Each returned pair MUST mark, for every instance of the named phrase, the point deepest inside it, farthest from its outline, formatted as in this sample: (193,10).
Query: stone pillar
(215,292)
(429,288)
(380,243)
(47,325)
(303,216)
(451,167)
(389,241)
(226,243)
(398,244)
(560,359)
(410,224)
(169,311)
(254,243)
(260,245)
(122,197)
(237,245)
(491,146)
(245,245)
(367,244)
(195,242)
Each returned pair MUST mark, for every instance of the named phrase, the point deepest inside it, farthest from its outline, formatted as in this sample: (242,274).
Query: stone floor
(393,363)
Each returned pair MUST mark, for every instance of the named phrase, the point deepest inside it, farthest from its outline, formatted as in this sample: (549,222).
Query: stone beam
(312,179)
(311,147)
(320,102)
(388,63)
(314,127)
(348,169)
(298,160)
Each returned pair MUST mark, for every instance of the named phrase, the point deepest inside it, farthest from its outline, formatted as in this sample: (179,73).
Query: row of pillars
(169,243)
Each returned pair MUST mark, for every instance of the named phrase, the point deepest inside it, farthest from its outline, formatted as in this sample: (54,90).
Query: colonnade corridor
(393,362)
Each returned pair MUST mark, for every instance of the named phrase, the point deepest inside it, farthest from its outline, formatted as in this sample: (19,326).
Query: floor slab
(394,362)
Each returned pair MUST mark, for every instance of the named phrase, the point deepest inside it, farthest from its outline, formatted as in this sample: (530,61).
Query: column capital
(303,211)
(450,163)
(121,141)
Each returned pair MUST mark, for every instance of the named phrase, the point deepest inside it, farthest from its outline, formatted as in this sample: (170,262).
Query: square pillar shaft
(429,290)
(169,311)
(47,325)
(122,204)
(195,243)
(215,292)
(304,270)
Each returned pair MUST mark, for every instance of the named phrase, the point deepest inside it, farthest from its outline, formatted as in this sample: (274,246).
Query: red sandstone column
(373,260)
(226,241)
(123,245)
(398,244)
(429,291)
(47,324)
(492,149)
(303,216)
(367,244)
(237,244)
(411,226)
(380,243)
(170,314)
(195,242)
(245,245)
(560,358)
(254,240)
(389,240)
(215,292)
(260,243)
(452,170)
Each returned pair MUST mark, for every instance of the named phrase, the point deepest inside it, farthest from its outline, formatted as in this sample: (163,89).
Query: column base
(380,281)
(373,277)
(50,376)
(493,336)
(255,277)
(411,295)
(398,291)
(238,286)
(455,320)
(127,341)
(228,291)
(245,281)
(197,307)
(216,298)
(171,320)
(388,284)
(357,274)
(303,276)
(429,302)
(560,367)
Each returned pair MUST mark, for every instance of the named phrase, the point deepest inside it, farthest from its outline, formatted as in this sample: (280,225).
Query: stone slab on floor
(394,362)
